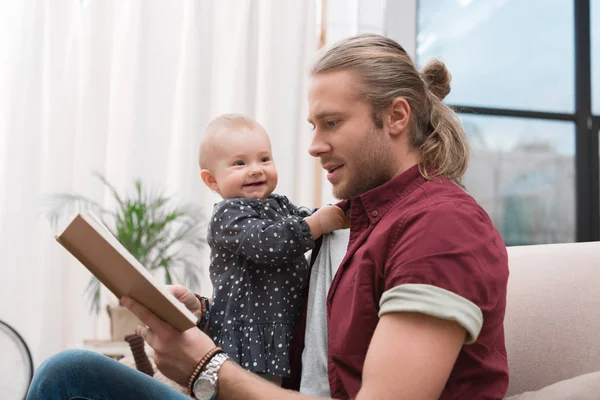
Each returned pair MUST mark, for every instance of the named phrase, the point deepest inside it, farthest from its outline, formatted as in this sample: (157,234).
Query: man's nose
(318,147)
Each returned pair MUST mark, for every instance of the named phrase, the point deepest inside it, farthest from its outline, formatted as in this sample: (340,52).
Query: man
(416,308)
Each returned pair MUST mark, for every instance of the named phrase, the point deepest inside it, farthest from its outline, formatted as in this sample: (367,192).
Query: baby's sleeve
(238,227)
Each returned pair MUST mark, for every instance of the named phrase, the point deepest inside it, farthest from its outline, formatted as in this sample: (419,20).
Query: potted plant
(164,237)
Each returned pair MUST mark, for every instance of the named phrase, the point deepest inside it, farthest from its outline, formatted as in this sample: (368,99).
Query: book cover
(88,240)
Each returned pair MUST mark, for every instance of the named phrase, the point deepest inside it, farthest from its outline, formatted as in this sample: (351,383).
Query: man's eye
(239,162)
(331,124)
(265,159)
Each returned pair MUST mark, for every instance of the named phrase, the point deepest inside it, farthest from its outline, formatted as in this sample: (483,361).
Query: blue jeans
(79,374)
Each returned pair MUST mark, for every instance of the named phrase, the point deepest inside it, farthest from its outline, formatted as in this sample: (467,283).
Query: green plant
(160,235)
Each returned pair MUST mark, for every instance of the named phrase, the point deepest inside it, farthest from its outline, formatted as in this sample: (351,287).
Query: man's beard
(371,167)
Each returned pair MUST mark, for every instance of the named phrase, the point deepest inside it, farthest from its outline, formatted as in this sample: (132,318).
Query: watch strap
(201,364)
(209,374)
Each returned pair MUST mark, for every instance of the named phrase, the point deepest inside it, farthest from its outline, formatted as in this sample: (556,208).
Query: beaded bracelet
(210,354)
(207,313)
(204,311)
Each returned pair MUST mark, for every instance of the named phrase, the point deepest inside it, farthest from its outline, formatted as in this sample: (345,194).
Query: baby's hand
(331,218)
(326,219)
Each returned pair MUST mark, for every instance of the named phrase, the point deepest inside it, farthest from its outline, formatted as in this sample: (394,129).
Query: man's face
(356,154)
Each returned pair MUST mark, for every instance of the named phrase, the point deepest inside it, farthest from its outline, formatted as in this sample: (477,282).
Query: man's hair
(217,125)
(385,72)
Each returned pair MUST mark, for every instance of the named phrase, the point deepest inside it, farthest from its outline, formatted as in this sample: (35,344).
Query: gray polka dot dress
(258,271)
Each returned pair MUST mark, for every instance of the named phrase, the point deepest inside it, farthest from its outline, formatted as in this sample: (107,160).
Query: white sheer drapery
(125,88)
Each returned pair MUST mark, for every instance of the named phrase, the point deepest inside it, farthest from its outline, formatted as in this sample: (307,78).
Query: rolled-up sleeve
(443,267)
(436,302)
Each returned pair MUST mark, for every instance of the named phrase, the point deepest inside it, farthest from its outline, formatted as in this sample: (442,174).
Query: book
(92,243)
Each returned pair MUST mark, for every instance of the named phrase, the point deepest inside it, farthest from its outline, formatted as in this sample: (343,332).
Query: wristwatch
(206,384)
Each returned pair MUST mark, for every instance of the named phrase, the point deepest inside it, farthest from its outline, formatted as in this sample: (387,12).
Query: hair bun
(437,77)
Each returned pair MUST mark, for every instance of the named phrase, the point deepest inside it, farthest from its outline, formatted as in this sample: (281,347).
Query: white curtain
(393,18)
(125,87)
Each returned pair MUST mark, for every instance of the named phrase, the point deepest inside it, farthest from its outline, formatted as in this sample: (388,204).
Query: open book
(99,251)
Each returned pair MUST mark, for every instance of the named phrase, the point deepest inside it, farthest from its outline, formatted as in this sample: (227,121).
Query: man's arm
(176,354)
(410,357)
(235,383)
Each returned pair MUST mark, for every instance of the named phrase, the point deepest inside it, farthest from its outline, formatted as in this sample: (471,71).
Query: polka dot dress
(259,273)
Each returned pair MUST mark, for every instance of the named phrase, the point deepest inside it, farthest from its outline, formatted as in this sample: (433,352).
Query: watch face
(203,389)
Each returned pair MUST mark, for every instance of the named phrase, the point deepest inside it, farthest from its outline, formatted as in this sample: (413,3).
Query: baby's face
(244,166)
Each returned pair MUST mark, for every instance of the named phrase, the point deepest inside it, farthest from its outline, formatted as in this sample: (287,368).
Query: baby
(258,239)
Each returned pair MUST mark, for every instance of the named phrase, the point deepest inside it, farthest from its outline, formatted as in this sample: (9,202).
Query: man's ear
(209,180)
(399,116)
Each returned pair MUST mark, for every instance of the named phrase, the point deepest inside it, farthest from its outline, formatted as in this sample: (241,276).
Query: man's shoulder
(437,197)
(445,236)
(441,210)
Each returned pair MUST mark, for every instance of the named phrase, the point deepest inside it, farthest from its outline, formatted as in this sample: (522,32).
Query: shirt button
(374,213)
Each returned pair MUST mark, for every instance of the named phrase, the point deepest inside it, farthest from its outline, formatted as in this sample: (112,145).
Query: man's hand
(325,220)
(176,354)
(189,300)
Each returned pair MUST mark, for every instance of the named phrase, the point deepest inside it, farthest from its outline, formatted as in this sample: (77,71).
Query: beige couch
(553,321)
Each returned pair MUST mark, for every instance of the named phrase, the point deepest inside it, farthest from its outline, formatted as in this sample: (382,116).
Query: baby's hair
(224,122)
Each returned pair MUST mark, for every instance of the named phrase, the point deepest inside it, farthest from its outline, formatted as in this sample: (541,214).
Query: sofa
(552,322)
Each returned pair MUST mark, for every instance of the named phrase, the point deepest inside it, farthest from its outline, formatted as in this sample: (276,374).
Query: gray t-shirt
(314,380)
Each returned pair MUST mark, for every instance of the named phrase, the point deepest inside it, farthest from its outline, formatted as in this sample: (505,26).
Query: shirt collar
(378,201)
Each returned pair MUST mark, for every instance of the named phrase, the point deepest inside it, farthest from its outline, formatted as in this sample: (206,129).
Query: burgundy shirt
(413,231)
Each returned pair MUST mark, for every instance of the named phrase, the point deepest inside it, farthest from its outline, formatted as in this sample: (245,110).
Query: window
(526,84)
(595,38)
(522,172)
(502,54)
(595,65)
